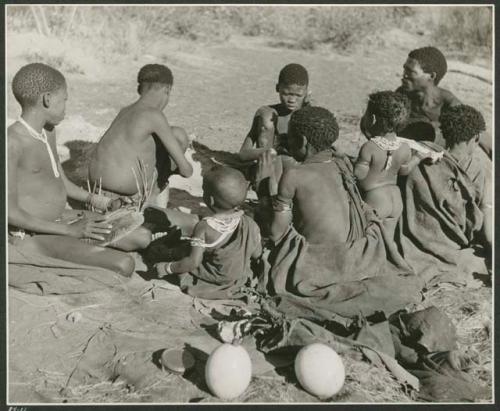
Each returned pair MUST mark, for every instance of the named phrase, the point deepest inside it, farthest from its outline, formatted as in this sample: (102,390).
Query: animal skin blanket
(441,217)
(361,276)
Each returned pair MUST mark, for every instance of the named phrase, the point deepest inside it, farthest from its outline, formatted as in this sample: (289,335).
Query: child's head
(461,124)
(292,86)
(391,111)
(425,66)
(224,188)
(314,127)
(157,78)
(39,86)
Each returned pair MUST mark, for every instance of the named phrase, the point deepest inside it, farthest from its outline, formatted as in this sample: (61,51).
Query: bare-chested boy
(385,156)
(223,244)
(267,138)
(270,124)
(38,187)
(141,131)
(422,72)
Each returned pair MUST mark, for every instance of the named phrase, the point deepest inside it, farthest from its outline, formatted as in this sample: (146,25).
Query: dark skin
(267,121)
(320,206)
(134,134)
(428,99)
(37,198)
(379,185)
(206,234)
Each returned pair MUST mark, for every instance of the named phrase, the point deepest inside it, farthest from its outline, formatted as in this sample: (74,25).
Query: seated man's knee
(181,136)
(265,117)
(142,238)
(125,265)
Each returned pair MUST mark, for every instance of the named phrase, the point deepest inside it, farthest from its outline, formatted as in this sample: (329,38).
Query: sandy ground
(216,92)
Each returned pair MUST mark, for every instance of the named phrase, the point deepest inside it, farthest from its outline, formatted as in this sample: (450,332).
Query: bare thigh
(77,251)
(386,201)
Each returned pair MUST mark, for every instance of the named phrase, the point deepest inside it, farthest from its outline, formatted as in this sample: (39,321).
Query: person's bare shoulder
(289,180)
(367,149)
(449,99)
(15,138)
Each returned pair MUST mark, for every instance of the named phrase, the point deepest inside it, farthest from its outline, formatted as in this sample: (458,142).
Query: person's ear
(302,141)
(308,97)
(477,137)
(432,76)
(277,87)
(46,100)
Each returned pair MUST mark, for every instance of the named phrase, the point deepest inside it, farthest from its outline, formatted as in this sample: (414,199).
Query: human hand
(89,227)
(119,202)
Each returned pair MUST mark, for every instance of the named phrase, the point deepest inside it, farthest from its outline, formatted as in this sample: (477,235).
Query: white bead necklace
(43,138)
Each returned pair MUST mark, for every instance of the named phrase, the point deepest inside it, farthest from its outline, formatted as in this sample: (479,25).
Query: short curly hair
(431,60)
(317,124)
(33,80)
(293,73)
(154,73)
(391,110)
(461,123)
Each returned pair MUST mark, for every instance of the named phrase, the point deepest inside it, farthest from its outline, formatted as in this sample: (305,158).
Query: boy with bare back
(326,245)
(140,133)
(38,188)
(385,156)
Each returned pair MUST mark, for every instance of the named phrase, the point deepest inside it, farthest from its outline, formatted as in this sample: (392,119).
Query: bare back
(376,159)
(127,140)
(320,202)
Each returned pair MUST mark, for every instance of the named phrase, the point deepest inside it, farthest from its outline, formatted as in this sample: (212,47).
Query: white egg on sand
(319,370)
(228,371)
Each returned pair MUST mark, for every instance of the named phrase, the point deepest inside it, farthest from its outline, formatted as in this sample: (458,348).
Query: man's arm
(362,166)
(450,99)
(159,125)
(282,205)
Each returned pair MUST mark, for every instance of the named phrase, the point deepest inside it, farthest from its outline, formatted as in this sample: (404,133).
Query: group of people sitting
(324,217)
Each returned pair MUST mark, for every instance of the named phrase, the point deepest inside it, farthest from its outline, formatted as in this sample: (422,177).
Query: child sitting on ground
(270,124)
(461,127)
(222,245)
(38,187)
(385,156)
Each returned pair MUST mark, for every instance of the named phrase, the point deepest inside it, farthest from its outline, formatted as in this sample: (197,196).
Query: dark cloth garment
(225,269)
(441,217)
(363,275)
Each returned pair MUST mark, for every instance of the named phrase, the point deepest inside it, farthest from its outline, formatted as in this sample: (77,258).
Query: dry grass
(471,312)
(105,32)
